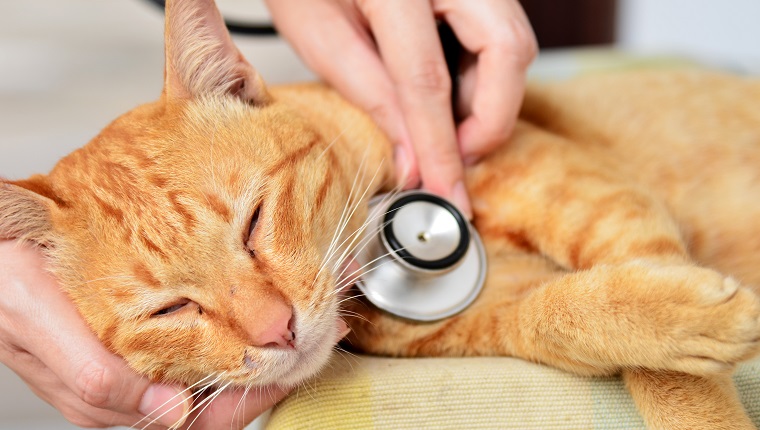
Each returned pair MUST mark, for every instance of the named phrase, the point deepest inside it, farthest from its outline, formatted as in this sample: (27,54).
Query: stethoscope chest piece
(423,260)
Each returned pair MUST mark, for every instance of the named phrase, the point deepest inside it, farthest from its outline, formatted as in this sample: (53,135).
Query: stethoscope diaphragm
(422,259)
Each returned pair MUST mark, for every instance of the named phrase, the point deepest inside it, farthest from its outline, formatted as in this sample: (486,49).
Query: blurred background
(68,67)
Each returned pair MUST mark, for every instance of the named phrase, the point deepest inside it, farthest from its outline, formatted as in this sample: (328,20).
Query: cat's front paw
(706,322)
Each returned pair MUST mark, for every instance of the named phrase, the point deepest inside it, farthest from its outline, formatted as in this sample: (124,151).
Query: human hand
(385,56)
(47,343)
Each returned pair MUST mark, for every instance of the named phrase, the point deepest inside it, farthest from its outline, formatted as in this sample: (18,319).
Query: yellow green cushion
(359,392)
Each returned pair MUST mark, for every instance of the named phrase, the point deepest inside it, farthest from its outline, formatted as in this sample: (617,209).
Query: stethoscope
(421,259)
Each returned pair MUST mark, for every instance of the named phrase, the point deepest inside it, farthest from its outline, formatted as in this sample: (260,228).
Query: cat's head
(203,234)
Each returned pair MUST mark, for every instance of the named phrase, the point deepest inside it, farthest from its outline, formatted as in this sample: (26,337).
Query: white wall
(725,32)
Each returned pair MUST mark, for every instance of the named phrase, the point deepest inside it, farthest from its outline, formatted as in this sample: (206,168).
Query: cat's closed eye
(176,306)
(249,243)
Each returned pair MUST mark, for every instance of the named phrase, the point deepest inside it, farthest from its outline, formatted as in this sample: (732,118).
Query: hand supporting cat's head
(203,235)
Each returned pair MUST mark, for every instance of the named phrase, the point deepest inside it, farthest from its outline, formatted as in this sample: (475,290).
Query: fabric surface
(359,392)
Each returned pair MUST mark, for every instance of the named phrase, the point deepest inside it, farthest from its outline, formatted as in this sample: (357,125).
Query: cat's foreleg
(638,315)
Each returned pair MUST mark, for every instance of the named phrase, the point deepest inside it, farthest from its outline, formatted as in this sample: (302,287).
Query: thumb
(236,408)
(164,404)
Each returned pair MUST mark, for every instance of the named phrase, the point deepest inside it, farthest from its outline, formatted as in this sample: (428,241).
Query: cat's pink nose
(276,330)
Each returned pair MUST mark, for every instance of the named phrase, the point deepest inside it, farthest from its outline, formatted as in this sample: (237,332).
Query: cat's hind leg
(679,401)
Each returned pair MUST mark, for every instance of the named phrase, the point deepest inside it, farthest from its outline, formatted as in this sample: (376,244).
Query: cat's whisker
(342,221)
(346,354)
(172,399)
(370,220)
(353,247)
(346,312)
(251,387)
(272,398)
(358,178)
(309,389)
(355,315)
(367,239)
(240,407)
(348,211)
(357,250)
(211,383)
(298,388)
(357,295)
(358,317)
(352,204)
(352,314)
(329,145)
(358,273)
(357,234)
(201,392)
(205,403)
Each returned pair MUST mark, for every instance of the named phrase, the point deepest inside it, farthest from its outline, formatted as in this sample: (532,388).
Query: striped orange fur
(202,234)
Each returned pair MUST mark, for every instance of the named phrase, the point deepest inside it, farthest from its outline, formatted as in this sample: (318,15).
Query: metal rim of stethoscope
(407,284)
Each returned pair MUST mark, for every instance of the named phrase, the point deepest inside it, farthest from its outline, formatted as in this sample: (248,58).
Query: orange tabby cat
(193,232)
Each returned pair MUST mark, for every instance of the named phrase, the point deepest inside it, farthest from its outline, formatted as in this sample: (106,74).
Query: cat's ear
(26,210)
(201,58)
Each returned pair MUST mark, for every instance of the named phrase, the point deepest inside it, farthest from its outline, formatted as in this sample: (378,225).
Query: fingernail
(461,199)
(164,404)
(401,159)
